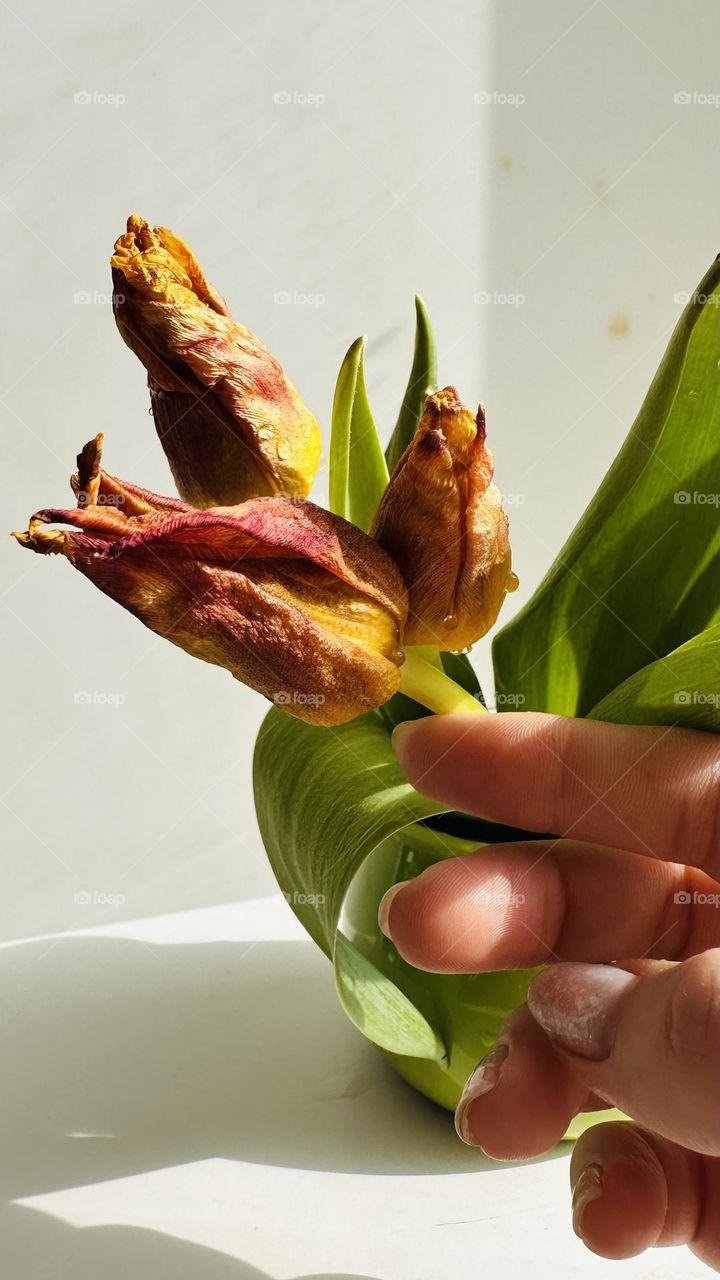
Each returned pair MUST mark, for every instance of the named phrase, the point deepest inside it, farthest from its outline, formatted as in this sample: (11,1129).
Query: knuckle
(565,787)
(693,1013)
(695,834)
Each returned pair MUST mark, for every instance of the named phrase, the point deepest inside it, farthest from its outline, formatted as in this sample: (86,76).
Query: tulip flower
(295,602)
(441,520)
(231,424)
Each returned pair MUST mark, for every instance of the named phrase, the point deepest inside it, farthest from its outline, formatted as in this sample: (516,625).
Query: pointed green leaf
(358,473)
(682,688)
(325,799)
(423,380)
(638,577)
(380,1009)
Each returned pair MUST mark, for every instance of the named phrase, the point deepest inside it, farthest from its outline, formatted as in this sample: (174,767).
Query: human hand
(625,911)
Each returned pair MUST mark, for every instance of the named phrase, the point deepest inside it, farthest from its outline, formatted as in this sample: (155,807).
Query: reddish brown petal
(295,602)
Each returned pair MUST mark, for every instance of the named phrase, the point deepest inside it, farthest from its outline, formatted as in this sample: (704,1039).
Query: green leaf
(638,577)
(380,1009)
(461,670)
(325,799)
(358,473)
(685,685)
(422,381)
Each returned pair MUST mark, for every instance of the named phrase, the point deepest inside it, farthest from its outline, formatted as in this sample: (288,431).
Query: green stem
(425,684)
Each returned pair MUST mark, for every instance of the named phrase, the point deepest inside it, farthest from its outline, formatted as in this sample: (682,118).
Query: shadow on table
(43,1248)
(126,1056)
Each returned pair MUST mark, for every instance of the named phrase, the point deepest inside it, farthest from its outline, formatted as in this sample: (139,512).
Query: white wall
(595,199)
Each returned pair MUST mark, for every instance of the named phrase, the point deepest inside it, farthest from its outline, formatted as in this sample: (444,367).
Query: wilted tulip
(441,520)
(231,424)
(295,602)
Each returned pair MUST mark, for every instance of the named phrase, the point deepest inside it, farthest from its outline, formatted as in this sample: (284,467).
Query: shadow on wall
(39,1244)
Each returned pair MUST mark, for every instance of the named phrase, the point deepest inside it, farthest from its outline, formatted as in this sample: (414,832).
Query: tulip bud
(295,602)
(231,424)
(441,520)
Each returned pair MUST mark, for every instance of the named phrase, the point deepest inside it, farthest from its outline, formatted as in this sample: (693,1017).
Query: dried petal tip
(231,424)
(86,482)
(441,519)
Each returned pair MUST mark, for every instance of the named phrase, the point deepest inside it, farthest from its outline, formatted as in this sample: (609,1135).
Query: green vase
(467,1010)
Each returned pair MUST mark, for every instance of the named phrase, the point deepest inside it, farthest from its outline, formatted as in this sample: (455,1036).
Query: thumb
(648,1044)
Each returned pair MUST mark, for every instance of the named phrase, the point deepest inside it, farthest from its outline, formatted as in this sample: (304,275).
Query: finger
(649,1045)
(633,1189)
(521,1098)
(652,790)
(513,906)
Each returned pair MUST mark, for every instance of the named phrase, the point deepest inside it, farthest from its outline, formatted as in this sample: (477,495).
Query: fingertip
(619,1191)
(385,904)
(619,1209)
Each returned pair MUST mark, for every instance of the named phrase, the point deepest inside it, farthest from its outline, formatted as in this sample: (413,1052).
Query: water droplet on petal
(513,582)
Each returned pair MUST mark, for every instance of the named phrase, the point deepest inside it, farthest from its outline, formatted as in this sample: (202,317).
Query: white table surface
(185,1100)
(180,1094)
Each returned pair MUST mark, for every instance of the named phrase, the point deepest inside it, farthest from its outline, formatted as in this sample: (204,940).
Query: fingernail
(577,1005)
(589,1187)
(400,735)
(385,904)
(484,1078)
